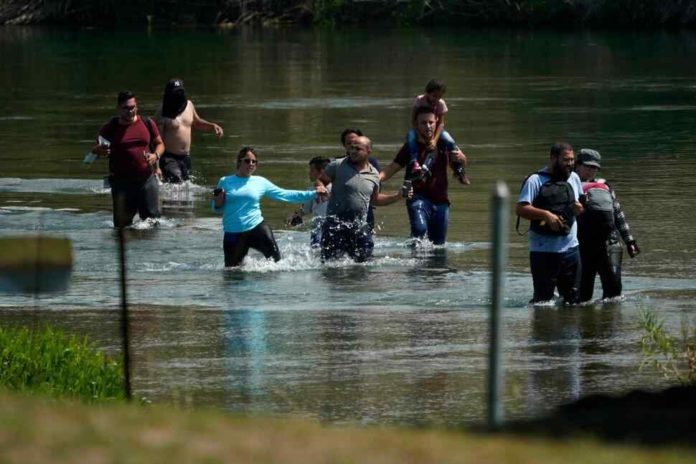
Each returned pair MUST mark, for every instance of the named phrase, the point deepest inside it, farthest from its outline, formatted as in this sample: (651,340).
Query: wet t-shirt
(128,143)
(351,189)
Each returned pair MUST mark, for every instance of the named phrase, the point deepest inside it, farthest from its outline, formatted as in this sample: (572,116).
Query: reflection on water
(402,338)
(570,346)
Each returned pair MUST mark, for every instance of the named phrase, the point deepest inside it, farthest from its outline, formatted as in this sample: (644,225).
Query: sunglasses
(128,108)
(250,161)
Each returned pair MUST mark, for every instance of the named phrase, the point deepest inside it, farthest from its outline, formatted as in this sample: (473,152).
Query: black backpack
(557,196)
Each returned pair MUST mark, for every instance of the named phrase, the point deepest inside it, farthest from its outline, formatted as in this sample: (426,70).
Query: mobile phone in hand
(405,188)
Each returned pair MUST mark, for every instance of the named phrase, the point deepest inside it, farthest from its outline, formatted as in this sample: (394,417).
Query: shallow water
(403,338)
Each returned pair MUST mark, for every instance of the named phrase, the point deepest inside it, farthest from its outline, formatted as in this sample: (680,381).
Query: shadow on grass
(666,417)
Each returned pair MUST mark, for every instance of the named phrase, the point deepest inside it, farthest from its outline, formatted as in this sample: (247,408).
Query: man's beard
(560,172)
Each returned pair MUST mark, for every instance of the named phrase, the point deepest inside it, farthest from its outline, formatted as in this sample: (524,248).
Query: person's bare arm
(153,158)
(201,124)
(457,156)
(321,191)
(323,180)
(386,173)
(383,199)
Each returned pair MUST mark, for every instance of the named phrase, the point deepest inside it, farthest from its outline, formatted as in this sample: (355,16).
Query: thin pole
(125,332)
(499,262)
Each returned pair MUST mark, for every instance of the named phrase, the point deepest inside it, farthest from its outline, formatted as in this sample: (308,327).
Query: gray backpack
(599,207)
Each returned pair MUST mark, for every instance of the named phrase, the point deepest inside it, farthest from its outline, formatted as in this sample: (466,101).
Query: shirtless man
(175,118)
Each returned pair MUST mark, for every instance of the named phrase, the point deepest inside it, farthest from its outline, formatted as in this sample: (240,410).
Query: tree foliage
(554,13)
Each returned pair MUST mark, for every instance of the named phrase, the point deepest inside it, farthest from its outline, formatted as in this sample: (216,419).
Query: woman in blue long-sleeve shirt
(238,197)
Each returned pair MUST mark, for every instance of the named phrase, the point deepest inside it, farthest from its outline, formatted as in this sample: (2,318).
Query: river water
(403,338)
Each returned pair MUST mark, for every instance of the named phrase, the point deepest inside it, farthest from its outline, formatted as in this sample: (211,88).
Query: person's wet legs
(569,275)
(262,239)
(124,196)
(588,258)
(437,223)
(544,267)
(175,168)
(332,239)
(148,199)
(610,270)
(361,245)
(235,247)
(418,216)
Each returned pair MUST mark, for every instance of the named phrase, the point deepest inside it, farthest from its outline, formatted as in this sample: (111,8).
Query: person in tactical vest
(599,228)
(550,200)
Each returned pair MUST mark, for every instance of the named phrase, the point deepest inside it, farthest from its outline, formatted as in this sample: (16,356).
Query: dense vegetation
(553,13)
(46,361)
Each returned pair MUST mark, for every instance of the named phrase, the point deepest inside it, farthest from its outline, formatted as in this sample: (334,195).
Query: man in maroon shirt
(134,148)
(428,210)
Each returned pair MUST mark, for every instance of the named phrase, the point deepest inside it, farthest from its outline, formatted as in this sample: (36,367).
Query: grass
(60,431)
(50,362)
(673,357)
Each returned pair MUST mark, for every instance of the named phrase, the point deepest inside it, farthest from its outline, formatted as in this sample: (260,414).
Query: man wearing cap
(176,117)
(599,229)
(550,200)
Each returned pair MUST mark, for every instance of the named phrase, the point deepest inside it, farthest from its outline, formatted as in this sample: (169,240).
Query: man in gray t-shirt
(355,184)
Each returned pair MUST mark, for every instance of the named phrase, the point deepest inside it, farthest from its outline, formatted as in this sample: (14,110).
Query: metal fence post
(125,323)
(499,262)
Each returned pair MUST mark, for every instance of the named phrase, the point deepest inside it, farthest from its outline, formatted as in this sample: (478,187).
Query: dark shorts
(132,196)
(351,237)
(175,168)
(555,270)
(236,245)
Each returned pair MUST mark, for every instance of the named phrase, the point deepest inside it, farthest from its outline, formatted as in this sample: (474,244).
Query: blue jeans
(412,140)
(428,218)
(555,270)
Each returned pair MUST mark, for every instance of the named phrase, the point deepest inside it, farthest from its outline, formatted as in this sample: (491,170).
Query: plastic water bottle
(89,157)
